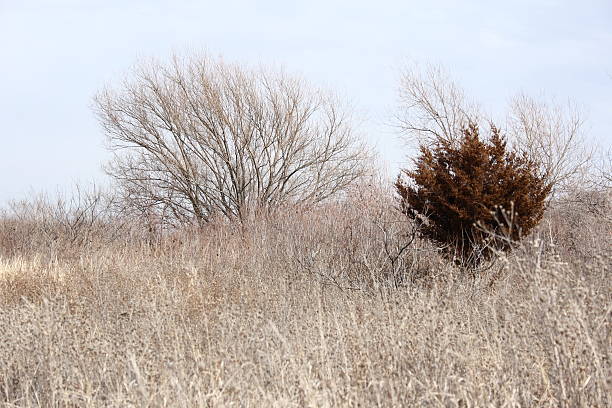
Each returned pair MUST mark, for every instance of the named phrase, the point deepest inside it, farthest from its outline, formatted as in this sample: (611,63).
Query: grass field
(304,309)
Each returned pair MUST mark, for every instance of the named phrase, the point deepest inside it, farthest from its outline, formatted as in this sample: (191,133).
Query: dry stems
(304,309)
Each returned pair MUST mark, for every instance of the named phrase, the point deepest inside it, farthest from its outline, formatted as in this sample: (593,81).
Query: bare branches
(200,137)
(435,109)
(432,106)
(552,135)
(45,224)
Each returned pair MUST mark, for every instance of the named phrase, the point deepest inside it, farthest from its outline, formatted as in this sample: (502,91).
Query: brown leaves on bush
(473,197)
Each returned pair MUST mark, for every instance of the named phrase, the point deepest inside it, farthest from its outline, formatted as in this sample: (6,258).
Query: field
(303,308)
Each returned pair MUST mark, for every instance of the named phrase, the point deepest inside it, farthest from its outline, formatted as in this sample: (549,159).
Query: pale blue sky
(55,54)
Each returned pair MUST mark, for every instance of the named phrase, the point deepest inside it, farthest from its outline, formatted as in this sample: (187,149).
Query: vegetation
(473,197)
(264,269)
(435,108)
(300,310)
(199,138)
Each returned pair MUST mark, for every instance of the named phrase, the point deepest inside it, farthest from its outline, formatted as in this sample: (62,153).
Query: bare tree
(552,134)
(434,108)
(603,170)
(199,137)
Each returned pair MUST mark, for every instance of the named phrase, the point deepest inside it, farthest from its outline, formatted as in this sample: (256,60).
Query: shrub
(473,197)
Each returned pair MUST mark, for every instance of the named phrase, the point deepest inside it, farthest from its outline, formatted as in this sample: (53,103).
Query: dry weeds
(304,309)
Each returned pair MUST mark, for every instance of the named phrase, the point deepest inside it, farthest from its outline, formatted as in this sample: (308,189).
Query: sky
(55,55)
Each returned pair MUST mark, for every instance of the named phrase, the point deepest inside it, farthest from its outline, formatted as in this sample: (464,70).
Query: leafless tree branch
(200,137)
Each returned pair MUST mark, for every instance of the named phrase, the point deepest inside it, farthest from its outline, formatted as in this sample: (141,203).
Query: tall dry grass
(303,308)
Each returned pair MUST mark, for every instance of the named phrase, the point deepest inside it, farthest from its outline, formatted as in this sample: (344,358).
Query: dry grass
(307,309)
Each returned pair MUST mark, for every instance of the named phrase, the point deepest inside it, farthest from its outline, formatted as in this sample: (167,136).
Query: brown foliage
(473,196)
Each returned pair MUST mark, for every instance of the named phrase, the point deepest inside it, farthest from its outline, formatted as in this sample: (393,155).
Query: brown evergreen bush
(473,197)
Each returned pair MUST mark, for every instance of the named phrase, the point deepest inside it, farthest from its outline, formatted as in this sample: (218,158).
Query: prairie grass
(305,308)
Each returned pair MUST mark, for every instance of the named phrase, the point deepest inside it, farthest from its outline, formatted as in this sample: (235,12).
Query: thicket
(278,312)
(473,197)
